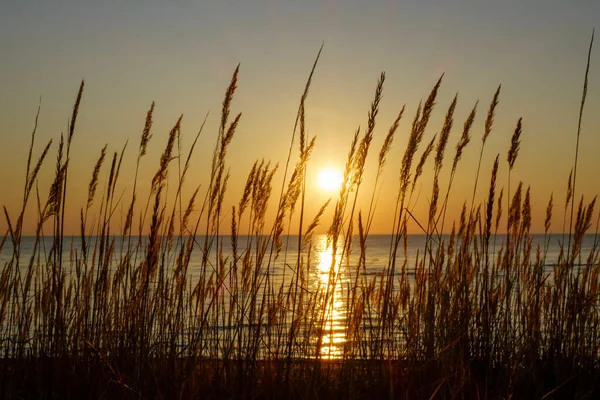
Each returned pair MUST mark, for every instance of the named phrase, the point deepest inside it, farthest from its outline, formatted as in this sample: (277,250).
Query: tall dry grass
(127,315)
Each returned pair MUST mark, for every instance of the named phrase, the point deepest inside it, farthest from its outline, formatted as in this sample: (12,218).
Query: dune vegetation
(115,313)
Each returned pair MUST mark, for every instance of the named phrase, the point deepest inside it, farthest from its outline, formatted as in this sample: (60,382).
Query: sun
(330,179)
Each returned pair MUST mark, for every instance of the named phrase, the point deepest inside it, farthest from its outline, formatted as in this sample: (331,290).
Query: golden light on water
(328,280)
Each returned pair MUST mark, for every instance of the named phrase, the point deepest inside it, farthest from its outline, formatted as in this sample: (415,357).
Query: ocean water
(316,260)
(377,249)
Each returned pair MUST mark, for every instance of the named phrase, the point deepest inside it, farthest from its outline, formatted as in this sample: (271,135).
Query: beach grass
(124,316)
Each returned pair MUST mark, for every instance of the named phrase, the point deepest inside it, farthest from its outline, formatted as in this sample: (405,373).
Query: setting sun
(330,179)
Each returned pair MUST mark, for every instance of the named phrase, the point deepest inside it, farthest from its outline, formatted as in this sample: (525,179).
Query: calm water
(378,248)
(281,270)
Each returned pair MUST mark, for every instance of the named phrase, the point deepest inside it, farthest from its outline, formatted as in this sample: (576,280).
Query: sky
(182,53)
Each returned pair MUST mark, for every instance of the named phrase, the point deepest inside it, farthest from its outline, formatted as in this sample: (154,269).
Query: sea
(316,257)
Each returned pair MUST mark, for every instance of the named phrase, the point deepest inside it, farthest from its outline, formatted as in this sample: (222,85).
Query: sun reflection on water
(328,279)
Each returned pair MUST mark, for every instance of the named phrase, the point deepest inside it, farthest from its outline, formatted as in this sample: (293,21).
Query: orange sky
(182,56)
